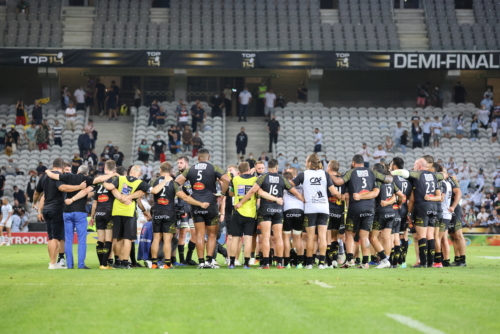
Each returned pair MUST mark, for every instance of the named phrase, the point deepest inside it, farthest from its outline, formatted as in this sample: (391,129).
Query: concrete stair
(119,132)
(258,138)
(465,16)
(412,30)
(78,27)
(330,16)
(159,15)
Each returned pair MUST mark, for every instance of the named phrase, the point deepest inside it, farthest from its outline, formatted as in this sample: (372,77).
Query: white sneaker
(149,264)
(310,266)
(201,265)
(56,266)
(8,244)
(341,258)
(335,264)
(237,263)
(321,266)
(227,261)
(384,264)
(62,262)
(252,261)
(214,263)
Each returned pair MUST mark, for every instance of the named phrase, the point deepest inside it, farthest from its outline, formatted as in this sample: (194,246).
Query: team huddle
(290,220)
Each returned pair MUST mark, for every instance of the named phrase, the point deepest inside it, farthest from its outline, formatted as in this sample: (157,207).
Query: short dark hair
(288,175)
(203,151)
(120,170)
(185,158)
(58,163)
(273,163)
(428,158)
(358,159)
(380,168)
(398,162)
(437,167)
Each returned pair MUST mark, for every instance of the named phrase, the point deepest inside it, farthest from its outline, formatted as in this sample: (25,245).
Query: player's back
(203,178)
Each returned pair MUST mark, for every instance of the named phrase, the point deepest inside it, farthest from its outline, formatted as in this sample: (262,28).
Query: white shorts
(268,110)
(6,223)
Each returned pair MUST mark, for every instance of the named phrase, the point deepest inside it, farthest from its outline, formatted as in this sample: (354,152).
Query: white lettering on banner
(30,240)
(200,166)
(446,61)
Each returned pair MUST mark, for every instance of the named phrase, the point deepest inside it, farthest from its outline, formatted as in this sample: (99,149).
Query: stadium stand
(214,136)
(345,129)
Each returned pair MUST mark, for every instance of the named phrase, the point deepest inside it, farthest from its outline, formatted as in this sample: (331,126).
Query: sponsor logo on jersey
(162,217)
(100,214)
(429,177)
(274,179)
(163,201)
(198,186)
(315,181)
(241,190)
(402,179)
(200,166)
(200,212)
(126,189)
(102,198)
(274,210)
(335,215)
(366,214)
(362,173)
(332,199)
(364,191)
(293,215)
(390,215)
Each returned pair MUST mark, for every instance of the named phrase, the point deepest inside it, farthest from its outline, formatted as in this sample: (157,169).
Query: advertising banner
(40,238)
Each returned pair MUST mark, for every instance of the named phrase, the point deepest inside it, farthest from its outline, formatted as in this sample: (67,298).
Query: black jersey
(360,180)
(104,197)
(164,201)
(424,183)
(405,187)
(203,178)
(274,184)
(336,204)
(186,188)
(386,192)
(454,184)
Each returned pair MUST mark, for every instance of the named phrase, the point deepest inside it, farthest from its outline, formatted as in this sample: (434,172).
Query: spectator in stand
(415,119)
(436,131)
(421,97)
(111,148)
(494,130)
(427,131)
(112,100)
(416,136)
(89,96)
(161,116)
(187,136)
(100,96)
(397,132)
(488,94)
(281,163)
(76,163)
(474,128)
(482,217)
(464,173)
(459,93)
(200,117)
(295,163)
(496,180)
(143,150)
(118,156)
(451,167)
(217,103)
(488,103)
(496,114)
(41,137)
(446,122)
(318,140)
(79,95)
(251,161)
(31,186)
(92,158)
(365,152)
(437,97)
(153,110)
(37,113)
(487,202)
(83,143)
(41,169)
(3,133)
(137,96)
(245,98)
(302,93)
(273,128)
(480,179)
(241,142)
(147,172)
(460,126)
(105,155)
(174,145)
(65,97)
(389,144)
(471,218)
(158,147)
(197,144)
(10,146)
(280,101)
(379,154)
(100,168)
(23,7)
(404,141)
(270,103)
(57,133)
(194,118)
(183,117)
(46,128)
(70,117)
(20,113)
(29,134)
(20,198)
(227,94)
(263,157)
(89,130)
(178,107)
(483,115)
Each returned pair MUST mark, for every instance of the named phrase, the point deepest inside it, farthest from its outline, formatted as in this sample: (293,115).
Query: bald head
(135,171)
(420,164)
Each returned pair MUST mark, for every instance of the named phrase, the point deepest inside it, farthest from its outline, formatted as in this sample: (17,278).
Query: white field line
(414,324)
(490,257)
(321,284)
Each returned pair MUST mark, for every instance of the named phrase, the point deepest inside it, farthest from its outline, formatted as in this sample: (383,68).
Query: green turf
(37,300)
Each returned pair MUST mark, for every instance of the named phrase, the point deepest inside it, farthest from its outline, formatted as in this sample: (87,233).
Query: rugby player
(316,184)
(260,169)
(444,218)
(293,221)
(165,189)
(227,210)
(271,212)
(455,228)
(203,178)
(337,220)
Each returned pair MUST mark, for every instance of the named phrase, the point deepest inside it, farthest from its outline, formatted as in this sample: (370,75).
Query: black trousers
(273,137)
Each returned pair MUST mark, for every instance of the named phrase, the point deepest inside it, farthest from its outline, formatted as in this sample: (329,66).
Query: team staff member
(165,189)
(316,184)
(271,210)
(53,209)
(337,206)
(128,189)
(227,209)
(203,178)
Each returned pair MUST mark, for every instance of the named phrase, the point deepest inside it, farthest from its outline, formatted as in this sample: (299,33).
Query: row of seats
(123,11)
(31,34)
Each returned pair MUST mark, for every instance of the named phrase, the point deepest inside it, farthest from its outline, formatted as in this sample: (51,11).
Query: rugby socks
(329,254)
(201,260)
(365,259)
(300,259)
(154,261)
(173,259)
(252,255)
(382,255)
(247,261)
(132,254)
(457,259)
(309,260)
(391,256)
(422,251)
(358,260)
(106,250)
(350,257)
(61,256)
(279,261)
(335,250)
(98,250)
(265,261)
(209,259)
(373,258)
(431,249)
(397,254)
(341,246)
(168,263)
(404,250)
(232,259)
(191,248)
(438,258)
(446,263)
(462,259)
(117,258)
(287,261)
(321,260)
(180,250)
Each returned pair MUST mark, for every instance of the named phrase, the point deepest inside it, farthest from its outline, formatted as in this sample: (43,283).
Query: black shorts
(425,215)
(336,221)
(444,224)
(164,224)
(294,220)
(240,150)
(316,219)
(359,219)
(241,225)
(383,220)
(124,227)
(103,220)
(273,217)
(55,224)
(228,218)
(209,216)
(456,220)
(439,215)
(396,225)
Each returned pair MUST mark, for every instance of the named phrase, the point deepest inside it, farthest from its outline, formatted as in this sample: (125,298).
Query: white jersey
(315,184)
(5,211)
(291,202)
(445,205)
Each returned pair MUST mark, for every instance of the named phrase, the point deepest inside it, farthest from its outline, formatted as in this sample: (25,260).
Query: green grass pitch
(451,300)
